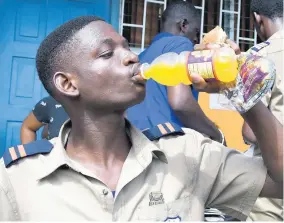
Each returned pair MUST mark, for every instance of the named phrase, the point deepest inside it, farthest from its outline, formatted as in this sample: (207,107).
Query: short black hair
(272,9)
(49,56)
(180,9)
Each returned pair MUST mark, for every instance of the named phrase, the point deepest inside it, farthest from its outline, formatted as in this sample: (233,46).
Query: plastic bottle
(172,69)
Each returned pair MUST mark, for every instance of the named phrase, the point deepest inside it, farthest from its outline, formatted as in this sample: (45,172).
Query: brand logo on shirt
(156,198)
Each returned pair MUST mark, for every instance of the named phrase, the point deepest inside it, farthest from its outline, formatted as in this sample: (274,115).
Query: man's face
(193,31)
(106,69)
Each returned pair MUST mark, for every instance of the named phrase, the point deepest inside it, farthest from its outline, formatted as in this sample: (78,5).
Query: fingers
(207,46)
(234,46)
(212,87)
(198,82)
(201,85)
(198,47)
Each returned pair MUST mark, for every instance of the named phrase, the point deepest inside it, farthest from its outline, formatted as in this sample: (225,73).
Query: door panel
(23,25)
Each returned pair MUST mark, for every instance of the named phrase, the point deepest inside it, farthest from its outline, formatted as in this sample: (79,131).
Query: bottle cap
(143,68)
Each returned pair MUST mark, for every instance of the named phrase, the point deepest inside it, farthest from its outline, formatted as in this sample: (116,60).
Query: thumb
(198,82)
(195,78)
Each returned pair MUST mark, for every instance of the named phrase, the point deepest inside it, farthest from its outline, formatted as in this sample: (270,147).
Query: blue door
(23,25)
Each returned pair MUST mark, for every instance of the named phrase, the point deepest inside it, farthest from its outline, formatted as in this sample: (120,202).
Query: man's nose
(129,58)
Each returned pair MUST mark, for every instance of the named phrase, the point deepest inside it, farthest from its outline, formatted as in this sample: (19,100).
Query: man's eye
(107,55)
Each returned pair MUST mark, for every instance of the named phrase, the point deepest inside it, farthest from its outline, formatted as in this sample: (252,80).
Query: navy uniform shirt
(155,109)
(49,111)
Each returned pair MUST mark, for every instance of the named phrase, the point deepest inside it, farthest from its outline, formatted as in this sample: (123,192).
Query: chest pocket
(174,211)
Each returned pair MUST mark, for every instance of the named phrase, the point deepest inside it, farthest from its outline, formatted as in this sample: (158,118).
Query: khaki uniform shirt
(172,178)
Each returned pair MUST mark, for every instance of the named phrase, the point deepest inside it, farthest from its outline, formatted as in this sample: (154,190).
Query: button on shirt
(155,109)
(174,177)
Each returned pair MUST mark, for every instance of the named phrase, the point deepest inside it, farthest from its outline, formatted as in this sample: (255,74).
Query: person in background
(268,18)
(180,30)
(48,113)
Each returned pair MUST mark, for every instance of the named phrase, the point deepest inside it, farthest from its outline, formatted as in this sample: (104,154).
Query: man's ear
(257,18)
(66,83)
(183,25)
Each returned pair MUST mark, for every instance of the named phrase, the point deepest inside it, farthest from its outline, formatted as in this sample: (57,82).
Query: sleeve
(41,110)
(235,180)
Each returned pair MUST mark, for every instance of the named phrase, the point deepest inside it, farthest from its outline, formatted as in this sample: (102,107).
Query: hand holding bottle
(214,59)
(243,78)
(200,83)
(213,65)
(255,79)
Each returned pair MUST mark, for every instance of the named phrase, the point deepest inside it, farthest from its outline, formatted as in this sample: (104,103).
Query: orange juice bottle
(171,69)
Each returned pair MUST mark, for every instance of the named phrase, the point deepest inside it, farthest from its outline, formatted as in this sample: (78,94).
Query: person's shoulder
(172,138)
(260,49)
(16,156)
(51,100)
(45,102)
(271,46)
(179,40)
(172,43)
(272,49)
(276,42)
(178,44)
(22,163)
(185,143)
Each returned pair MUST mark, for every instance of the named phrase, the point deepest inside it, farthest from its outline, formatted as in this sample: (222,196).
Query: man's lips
(135,70)
(136,74)
(138,79)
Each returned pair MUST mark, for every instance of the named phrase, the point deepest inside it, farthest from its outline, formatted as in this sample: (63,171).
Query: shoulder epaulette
(15,153)
(260,46)
(162,130)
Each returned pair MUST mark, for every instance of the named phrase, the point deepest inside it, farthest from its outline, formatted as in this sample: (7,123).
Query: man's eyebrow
(110,42)
(107,41)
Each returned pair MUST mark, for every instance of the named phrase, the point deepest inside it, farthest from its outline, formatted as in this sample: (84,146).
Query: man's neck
(274,27)
(98,138)
(170,30)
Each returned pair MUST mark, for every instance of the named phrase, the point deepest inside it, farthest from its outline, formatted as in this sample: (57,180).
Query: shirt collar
(277,35)
(142,147)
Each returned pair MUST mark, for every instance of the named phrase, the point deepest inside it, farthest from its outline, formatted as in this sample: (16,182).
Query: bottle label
(200,62)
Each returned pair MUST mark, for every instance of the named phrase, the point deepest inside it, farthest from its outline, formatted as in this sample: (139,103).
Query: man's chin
(140,97)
